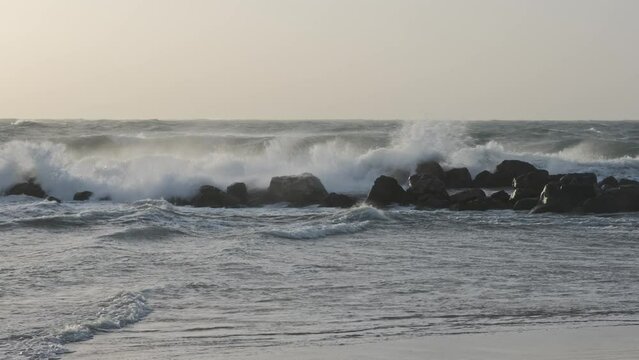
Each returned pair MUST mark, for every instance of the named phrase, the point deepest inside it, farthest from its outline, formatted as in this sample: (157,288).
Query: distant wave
(349,221)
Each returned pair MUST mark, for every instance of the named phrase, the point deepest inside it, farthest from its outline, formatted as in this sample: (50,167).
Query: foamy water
(139,275)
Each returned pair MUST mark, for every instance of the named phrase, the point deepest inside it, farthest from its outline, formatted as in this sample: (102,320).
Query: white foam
(135,168)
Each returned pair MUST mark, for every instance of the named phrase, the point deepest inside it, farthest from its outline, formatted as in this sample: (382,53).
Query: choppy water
(230,281)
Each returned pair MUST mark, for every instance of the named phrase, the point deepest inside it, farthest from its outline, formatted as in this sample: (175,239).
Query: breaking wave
(123,309)
(155,160)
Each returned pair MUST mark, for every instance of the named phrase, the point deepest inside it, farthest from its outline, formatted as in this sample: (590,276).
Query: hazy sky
(321,59)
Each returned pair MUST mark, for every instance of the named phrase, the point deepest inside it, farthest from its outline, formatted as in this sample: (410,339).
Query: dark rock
(259,197)
(424,184)
(558,197)
(82,196)
(386,191)
(105,198)
(298,190)
(338,200)
(479,204)
(467,195)
(535,180)
(53,198)
(238,190)
(458,178)
(628,182)
(523,193)
(579,179)
(546,208)
(609,182)
(501,196)
(507,170)
(526,204)
(555,177)
(179,201)
(29,188)
(622,199)
(431,168)
(485,179)
(400,175)
(210,196)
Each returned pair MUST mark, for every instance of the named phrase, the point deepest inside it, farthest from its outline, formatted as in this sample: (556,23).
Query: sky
(319,59)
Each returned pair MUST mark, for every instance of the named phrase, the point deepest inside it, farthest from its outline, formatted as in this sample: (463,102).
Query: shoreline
(598,342)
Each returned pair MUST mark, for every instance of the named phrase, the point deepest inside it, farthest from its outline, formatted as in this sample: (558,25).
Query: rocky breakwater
(512,184)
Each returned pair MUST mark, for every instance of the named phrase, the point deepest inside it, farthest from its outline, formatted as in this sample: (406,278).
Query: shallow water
(230,281)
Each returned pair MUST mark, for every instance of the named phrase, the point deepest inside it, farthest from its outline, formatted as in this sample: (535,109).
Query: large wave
(131,167)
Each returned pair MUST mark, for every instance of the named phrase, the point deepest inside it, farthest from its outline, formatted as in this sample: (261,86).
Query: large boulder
(501,196)
(458,178)
(608,182)
(386,191)
(210,196)
(239,191)
(622,199)
(485,179)
(424,184)
(338,201)
(298,190)
(431,168)
(82,196)
(524,193)
(579,179)
(29,188)
(559,198)
(467,195)
(480,204)
(628,182)
(535,180)
(507,170)
(525,204)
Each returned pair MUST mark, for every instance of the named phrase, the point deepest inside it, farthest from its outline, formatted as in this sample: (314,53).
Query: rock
(467,195)
(507,170)
(579,179)
(628,182)
(179,201)
(523,193)
(29,188)
(259,197)
(105,198)
(386,191)
(210,196)
(238,191)
(424,184)
(431,168)
(53,198)
(400,175)
(338,200)
(479,204)
(485,179)
(558,197)
(622,199)
(458,178)
(609,182)
(526,204)
(298,190)
(82,196)
(501,196)
(535,180)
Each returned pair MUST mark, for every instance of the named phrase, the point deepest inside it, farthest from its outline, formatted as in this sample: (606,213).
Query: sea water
(228,282)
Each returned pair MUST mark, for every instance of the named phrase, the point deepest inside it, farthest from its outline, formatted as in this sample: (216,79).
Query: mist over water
(132,160)
(140,278)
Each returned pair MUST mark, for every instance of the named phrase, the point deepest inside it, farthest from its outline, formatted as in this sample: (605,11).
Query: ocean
(138,275)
